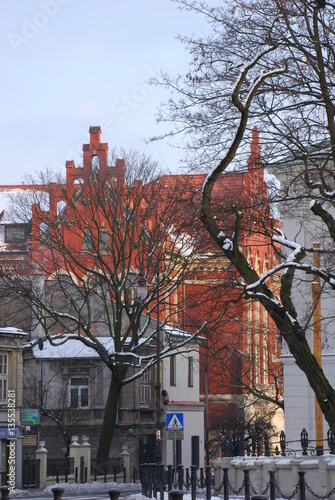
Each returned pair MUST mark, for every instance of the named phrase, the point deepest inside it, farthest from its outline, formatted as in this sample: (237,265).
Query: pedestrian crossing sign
(174,421)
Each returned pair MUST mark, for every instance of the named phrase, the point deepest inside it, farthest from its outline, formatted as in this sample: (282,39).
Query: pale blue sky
(69,64)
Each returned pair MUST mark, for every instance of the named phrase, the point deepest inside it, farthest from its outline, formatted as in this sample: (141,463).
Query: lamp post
(142,290)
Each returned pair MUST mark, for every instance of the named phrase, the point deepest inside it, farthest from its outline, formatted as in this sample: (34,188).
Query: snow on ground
(133,490)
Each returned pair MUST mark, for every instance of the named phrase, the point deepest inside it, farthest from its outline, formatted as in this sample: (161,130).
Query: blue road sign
(174,421)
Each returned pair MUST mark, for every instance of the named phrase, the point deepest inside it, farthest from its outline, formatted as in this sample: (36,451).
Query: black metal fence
(157,479)
(102,467)
(30,473)
(234,445)
(271,491)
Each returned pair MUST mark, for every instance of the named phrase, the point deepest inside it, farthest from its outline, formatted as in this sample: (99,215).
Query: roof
(8,330)
(71,348)
(75,349)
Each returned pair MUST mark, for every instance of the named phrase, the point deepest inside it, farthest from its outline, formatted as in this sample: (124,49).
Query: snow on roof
(72,348)
(8,330)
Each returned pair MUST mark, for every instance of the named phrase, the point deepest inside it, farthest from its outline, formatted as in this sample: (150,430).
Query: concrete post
(41,454)
(86,453)
(75,453)
(125,455)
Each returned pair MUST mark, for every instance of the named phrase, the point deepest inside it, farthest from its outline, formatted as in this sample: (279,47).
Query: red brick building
(241,348)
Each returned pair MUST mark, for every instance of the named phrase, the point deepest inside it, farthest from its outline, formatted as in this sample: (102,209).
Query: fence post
(304,441)
(302,485)
(150,479)
(180,469)
(225,483)
(272,485)
(246,484)
(201,477)
(41,454)
(155,479)
(208,482)
(193,482)
(143,477)
(187,479)
(161,481)
(282,441)
(170,475)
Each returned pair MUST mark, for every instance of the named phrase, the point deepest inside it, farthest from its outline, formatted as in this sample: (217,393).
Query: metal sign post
(174,424)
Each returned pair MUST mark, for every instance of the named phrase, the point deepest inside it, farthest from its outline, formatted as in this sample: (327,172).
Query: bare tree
(269,64)
(44,390)
(104,232)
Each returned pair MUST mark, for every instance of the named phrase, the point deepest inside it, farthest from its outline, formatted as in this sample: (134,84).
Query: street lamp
(142,291)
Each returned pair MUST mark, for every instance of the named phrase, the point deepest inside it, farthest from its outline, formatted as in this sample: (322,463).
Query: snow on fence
(314,476)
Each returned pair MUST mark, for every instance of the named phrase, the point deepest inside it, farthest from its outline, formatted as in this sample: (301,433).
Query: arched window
(61,207)
(95,163)
(61,211)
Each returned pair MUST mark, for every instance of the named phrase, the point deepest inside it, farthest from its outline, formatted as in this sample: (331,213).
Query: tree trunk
(306,361)
(108,425)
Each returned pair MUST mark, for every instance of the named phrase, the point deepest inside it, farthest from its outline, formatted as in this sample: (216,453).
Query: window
(173,370)
(190,371)
(15,234)
(195,450)
(104,239)
(3,376)
(145,388)
(95,163)
(44,233)
(79,395)
(87,240)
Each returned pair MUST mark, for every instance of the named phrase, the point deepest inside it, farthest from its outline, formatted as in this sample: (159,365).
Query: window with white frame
(3,377)
(79,392)
(145,388)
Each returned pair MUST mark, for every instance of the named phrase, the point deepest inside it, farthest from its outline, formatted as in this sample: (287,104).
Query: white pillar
(86,453)
(125,455)
(41,454)
(75,453)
